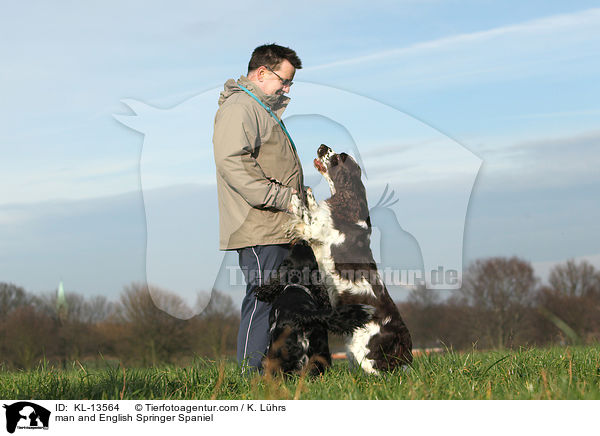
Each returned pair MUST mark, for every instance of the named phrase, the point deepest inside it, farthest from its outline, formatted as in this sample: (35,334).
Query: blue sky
(513,82)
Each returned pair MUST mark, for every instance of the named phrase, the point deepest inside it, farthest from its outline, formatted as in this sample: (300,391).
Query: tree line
(131,330)
(501,304)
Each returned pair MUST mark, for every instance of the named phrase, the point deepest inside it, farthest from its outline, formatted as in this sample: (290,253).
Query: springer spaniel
(338,230)
(301,315)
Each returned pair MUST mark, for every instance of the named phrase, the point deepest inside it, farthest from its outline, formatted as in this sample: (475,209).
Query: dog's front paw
(296,207)
(310,199)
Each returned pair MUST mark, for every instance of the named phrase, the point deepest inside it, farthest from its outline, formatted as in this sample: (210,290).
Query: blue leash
(268,109)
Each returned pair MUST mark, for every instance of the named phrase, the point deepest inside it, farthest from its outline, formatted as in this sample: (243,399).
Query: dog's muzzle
(321,163)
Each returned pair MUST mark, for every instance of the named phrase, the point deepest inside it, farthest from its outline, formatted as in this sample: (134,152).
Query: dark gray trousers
(253,336)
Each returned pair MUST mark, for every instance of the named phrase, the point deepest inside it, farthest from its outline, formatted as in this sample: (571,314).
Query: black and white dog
(301,315)
(339,230)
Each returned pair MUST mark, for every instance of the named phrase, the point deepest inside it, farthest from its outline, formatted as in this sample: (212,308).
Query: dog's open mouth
(322,160)
(320,166)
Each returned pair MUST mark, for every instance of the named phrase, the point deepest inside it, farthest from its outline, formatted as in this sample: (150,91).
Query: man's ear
(260,73)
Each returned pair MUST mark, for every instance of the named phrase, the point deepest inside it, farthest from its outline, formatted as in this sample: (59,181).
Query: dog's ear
(320,295)
(342,178)
(351,164)
(356,170)
(268,293)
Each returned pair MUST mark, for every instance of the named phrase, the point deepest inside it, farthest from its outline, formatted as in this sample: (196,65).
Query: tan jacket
(257,168)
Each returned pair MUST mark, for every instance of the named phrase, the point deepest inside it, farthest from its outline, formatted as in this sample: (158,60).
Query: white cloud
(556,46)
(543,162)
(69,181)
(559,114)
(577,25)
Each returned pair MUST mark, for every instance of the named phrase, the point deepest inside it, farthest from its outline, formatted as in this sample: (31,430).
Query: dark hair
(271,55)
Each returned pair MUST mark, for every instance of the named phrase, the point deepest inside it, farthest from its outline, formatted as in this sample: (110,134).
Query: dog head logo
(26,415)
(419,180)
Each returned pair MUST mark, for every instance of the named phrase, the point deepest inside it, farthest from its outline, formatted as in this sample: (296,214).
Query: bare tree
(27,336)
(79,309)
(571,304)
(501,290)
(215,329)
(154,335)
(422,297)
(575,279)
(12,297)
(423,312)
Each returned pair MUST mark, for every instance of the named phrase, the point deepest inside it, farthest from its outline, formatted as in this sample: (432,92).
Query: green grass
(547,373)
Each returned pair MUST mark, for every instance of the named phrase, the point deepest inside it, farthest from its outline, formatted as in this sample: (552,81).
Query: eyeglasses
(284,82)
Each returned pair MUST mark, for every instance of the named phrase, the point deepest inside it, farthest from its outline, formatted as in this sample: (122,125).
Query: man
(258,170)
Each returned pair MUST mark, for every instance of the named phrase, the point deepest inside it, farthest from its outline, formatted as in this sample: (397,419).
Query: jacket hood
(275,102)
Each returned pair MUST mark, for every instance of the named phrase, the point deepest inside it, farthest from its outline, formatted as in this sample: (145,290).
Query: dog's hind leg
(357,347)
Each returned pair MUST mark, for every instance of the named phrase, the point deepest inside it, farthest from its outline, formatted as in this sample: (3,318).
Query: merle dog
(301,316)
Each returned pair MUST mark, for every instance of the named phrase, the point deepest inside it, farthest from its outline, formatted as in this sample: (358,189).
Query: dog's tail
(346,318)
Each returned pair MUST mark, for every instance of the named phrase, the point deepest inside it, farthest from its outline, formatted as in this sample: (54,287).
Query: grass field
(546,373)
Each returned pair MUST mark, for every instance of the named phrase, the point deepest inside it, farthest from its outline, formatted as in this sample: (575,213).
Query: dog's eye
(333,160)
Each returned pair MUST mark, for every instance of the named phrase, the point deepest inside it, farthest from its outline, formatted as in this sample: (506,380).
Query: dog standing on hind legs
(338,230)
